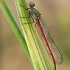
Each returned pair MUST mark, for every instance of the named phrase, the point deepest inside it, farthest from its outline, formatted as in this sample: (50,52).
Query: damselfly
(50,45)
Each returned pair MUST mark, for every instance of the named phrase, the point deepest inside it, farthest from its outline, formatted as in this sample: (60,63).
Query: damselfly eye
(31,4)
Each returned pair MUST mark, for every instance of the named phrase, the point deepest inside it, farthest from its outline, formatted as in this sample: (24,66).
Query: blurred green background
(56,14)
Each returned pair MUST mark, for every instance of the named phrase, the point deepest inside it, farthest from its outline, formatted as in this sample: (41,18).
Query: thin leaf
(39,56)
(14,26)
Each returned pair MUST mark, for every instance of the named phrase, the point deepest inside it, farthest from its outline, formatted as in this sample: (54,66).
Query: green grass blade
(14,25)
(39,56)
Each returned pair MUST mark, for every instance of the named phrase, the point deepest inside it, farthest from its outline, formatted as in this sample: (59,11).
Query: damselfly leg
(29,15)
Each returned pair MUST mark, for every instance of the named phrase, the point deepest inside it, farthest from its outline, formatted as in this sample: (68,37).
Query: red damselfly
(50,44)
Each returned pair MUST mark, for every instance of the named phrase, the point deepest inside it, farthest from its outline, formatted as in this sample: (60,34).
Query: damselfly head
(31,4)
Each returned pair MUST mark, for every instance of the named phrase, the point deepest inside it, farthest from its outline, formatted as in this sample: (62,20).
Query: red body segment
(46,42)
